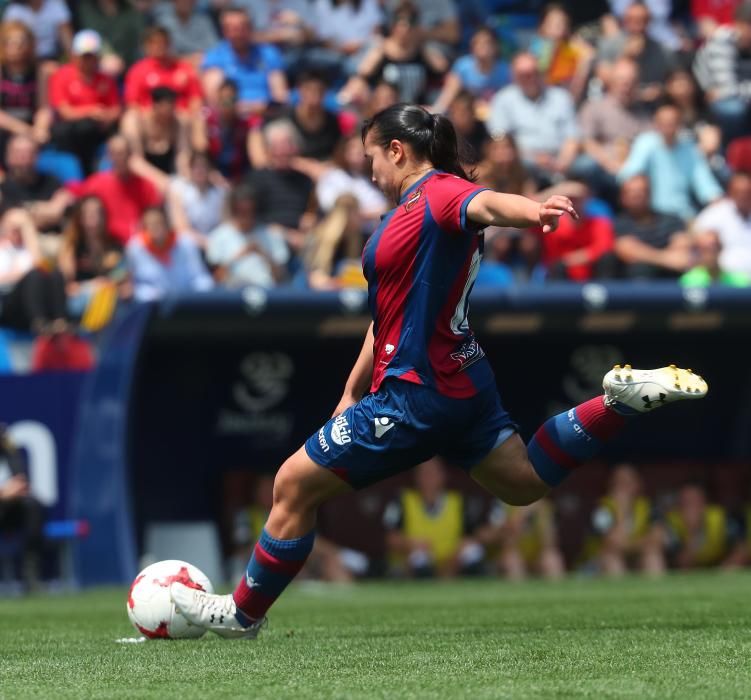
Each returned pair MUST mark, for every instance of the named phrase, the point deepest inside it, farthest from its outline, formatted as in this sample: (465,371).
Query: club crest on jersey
(469,353)
(414,198)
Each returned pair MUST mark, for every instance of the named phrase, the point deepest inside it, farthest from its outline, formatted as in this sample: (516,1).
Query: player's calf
(571,438)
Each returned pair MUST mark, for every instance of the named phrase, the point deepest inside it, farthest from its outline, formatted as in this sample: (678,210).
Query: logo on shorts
(389,348)
(322,441)
(382,426)
(341,433)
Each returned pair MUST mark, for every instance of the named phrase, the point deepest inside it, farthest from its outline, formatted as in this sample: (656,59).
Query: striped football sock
(271,568)
(567,440)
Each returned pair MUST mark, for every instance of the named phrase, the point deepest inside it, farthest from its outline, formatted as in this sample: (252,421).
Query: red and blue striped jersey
(421,264)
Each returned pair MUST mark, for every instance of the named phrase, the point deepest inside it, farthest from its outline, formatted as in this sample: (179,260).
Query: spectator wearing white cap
(85,100)
(50,20)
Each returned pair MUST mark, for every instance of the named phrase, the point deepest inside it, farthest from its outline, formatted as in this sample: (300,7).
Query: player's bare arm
(499,209)
(360,376)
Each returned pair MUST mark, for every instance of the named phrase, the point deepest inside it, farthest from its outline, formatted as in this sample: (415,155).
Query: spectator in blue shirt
(678,172)
(256,69)
(481,72)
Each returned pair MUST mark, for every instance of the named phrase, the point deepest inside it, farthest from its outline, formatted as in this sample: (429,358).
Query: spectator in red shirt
(126,196)
(85,100)
(160,68)
(577,249)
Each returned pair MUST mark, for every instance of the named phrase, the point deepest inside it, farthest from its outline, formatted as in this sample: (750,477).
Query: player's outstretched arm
(498,209)
(360,376)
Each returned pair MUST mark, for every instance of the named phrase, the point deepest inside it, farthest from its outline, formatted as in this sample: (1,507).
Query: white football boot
(212,612)
(643,390)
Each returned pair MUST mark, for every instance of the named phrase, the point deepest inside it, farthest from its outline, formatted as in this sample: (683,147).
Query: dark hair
(740,174)
(309,75)
(666,103)
(699,97)
(229,83)
(464,96)
(156,209)
(200,157)
(552,7)
(72,234)
(155,31)
(403,10)
(485,30)
(243,192)
(235,9)
(163,94)
(431,136)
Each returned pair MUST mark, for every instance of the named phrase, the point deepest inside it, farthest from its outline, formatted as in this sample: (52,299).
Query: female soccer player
(422,384)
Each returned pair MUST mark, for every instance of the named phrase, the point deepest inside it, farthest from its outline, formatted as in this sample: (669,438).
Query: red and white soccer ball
(150,607)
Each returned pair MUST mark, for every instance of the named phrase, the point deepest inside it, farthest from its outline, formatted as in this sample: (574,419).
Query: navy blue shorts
(404,424)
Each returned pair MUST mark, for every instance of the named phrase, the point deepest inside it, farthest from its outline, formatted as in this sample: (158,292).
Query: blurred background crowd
(430,525)
(151,147)
(158,147)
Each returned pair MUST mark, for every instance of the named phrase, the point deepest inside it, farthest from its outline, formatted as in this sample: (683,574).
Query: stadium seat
(6,366)
(61,532)
(15,351)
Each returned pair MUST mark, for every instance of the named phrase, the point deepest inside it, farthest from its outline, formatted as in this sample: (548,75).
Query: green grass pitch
(679,637)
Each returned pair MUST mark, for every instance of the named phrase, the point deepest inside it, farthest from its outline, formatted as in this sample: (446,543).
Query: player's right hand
(553,209)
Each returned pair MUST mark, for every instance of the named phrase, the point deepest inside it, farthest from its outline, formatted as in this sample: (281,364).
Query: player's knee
(526,488)
(287,489)
(521,498)
(293,490)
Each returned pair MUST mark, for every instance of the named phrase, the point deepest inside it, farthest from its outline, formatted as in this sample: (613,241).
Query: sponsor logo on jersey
(414,198)
(341,433)
(382,426)
(469,353)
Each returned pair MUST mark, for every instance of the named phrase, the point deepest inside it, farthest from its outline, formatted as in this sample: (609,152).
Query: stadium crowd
(150,147)
(158,146)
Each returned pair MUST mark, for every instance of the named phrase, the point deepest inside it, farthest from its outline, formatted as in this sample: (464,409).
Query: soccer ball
(150,607)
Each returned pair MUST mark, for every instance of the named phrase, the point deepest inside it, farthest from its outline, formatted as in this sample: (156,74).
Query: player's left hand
(345,402)
(553,209)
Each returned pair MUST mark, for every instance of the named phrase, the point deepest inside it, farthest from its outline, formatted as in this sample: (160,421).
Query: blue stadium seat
(7,339)
(64,532)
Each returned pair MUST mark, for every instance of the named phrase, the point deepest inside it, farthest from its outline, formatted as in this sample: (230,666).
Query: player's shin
(571,438)
(272,567)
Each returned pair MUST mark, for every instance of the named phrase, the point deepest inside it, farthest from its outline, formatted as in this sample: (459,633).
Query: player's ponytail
(431,136)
